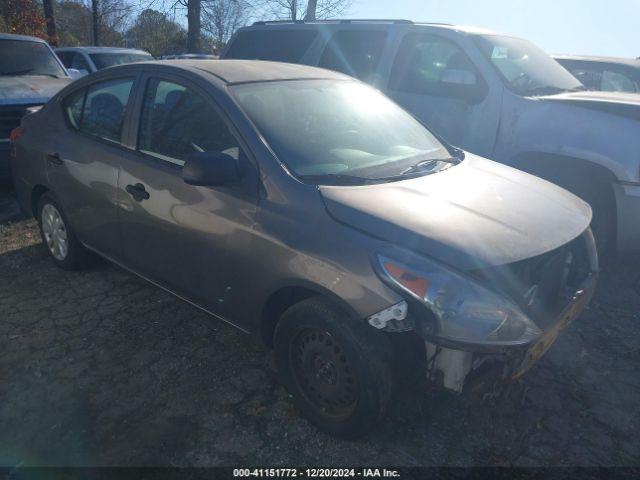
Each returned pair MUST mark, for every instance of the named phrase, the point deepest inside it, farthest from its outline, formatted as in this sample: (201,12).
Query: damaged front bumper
(539,296)
(568,314)
(463,367)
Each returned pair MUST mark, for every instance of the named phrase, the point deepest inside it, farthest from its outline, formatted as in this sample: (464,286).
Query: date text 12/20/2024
(315,473)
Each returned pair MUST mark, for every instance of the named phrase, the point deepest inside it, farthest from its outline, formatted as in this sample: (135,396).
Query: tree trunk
(51,22)
(193,26)
(294,10)
(95,16)
(311,11)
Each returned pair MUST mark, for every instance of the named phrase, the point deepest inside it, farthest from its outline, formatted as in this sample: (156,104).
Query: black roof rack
(346,20)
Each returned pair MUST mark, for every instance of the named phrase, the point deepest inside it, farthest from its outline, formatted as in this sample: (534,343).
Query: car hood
(29,89)
(472,215)
(616,103)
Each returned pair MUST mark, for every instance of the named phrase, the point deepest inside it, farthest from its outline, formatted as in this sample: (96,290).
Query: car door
(79,62)
(65,57)
(191,240)
(83,154)
(433,78)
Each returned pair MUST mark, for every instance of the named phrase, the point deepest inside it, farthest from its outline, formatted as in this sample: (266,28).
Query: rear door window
(276,45)
(79,63)
(99,110)
(354,52)
(73,107)
(176,122)
(424,63)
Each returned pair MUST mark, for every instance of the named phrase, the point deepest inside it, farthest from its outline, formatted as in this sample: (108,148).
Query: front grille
(542,285)
(10,117)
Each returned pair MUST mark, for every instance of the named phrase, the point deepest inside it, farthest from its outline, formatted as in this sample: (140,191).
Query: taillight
(15,134)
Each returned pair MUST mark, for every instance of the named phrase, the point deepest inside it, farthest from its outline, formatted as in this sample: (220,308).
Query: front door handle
(54,158)
(137,191)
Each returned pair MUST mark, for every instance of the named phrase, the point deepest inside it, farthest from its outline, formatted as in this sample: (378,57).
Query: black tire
(600,196)
(77,256)
(341,380)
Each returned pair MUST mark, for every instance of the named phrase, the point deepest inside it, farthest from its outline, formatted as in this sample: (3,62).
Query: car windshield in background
(527,69)
(104,60)
(341,131)
(18,57)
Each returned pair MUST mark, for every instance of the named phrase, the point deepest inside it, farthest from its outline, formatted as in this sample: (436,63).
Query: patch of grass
(18,235)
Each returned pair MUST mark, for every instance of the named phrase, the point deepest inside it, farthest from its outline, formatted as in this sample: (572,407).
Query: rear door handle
(54,158)
(137,191)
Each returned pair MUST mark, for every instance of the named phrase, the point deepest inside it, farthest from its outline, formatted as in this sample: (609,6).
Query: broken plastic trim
(392,319)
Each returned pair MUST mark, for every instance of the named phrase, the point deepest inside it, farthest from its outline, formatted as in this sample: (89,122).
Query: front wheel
(337,371)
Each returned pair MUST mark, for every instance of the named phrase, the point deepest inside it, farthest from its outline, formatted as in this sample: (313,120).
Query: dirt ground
(101,368)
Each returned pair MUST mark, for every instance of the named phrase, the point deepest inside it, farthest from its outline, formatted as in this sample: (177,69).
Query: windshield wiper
(545,90)
(28,71)
(18,72)
(428,163)
(337,179)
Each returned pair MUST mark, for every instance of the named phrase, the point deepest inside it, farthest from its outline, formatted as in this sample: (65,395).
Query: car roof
(246,71)
(340,23)
(23,38)
(101,50)
(633,62)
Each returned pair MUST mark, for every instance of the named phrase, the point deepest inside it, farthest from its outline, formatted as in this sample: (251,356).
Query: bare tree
(194,24)
(95,22)
(108,17)
(156,33)
(223,17)
(308,10)
(312,6)
(49,17)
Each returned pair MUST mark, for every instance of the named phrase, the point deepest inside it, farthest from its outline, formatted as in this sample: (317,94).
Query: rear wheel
(337,371)
(63,246)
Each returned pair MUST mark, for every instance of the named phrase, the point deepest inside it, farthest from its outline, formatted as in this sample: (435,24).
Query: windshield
(18,57)
(336,128)
(104,60)
(527,69)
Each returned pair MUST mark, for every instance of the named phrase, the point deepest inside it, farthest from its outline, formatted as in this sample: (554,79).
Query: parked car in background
(91,59)
(308,209)
(190,56)
(606,74)
(498,96)
(30,74)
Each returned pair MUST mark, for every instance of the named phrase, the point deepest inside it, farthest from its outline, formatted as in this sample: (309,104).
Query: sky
(587,27)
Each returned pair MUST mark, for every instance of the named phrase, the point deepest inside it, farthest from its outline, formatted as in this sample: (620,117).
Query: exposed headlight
(466,311)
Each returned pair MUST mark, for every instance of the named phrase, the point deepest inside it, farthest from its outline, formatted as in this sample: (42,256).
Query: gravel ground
(101,368)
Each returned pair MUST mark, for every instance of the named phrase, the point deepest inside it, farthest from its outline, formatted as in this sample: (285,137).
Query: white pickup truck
(494,95)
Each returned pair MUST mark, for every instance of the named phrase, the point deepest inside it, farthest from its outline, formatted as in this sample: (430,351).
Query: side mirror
(454,76)
(210,169)
(75,74)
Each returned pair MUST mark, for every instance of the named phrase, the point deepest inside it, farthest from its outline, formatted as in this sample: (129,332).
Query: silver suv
(497,96)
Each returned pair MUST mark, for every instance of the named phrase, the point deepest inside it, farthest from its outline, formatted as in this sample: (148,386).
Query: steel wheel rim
(55,232)
(324,373)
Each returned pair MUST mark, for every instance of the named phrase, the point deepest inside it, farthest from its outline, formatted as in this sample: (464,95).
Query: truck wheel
(603,224)
(63,246)
(338,372)
(599,195)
